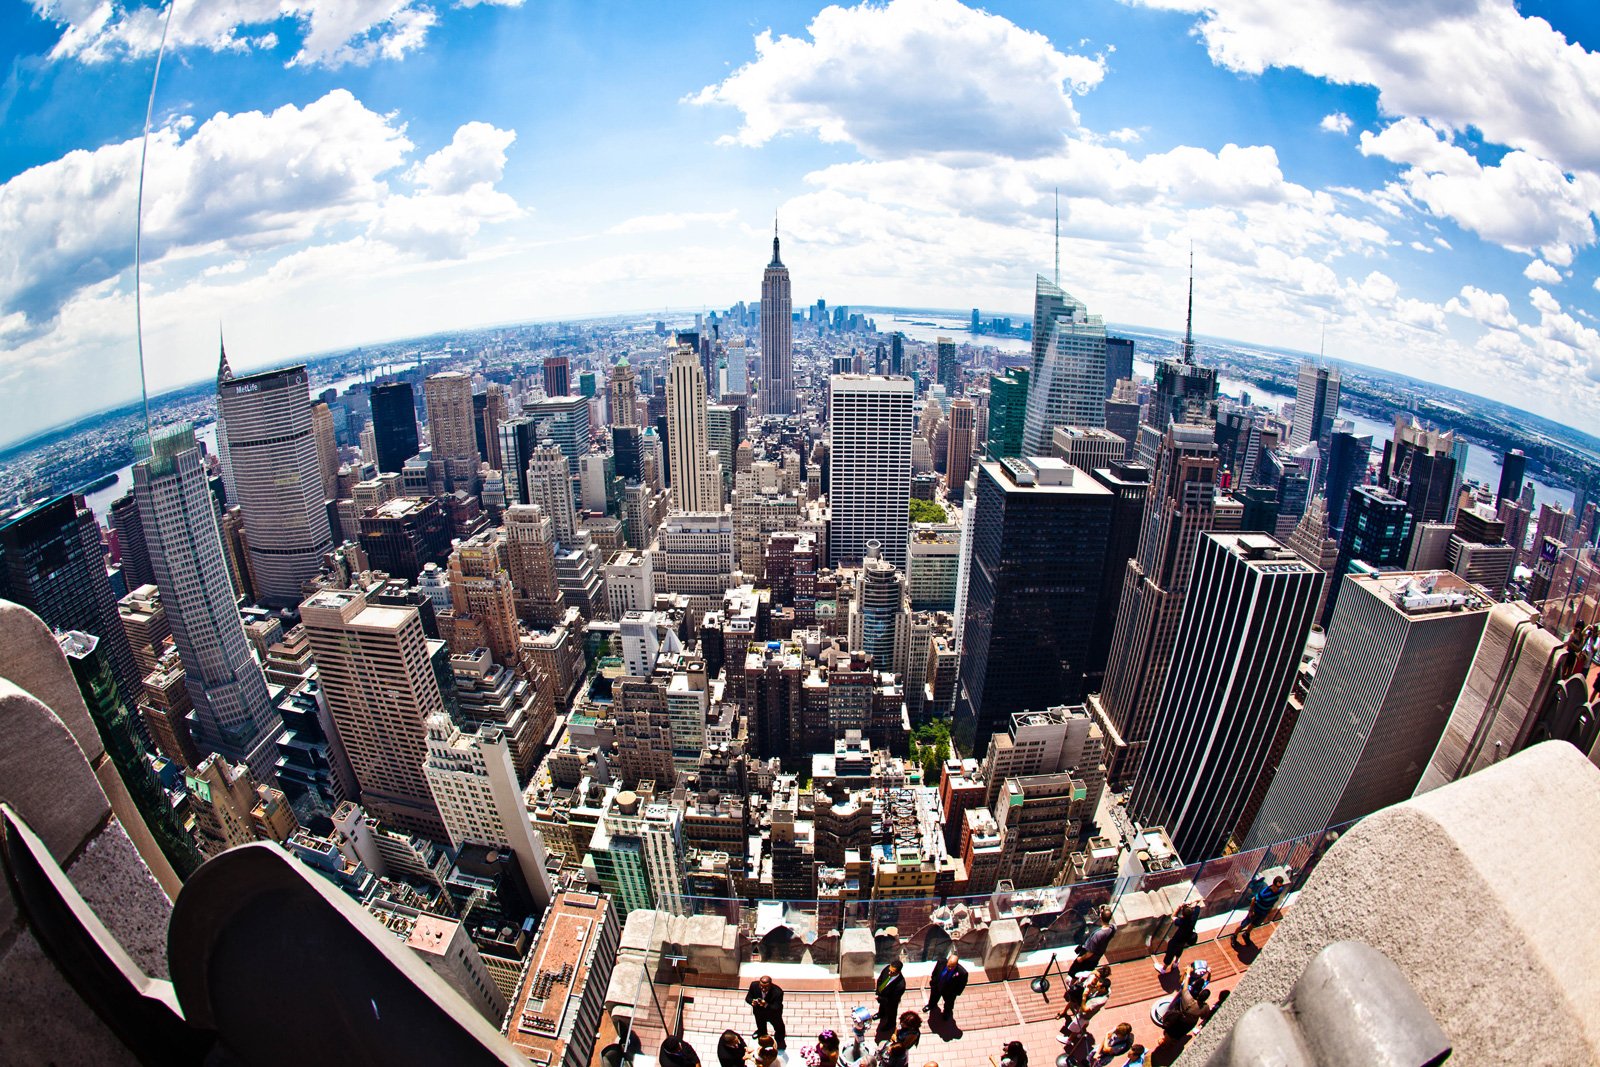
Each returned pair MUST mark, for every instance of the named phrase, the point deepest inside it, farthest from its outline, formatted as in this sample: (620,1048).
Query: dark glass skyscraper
(394,425)
(1039,535)
(949,369)
(1512,469)
(1008,407)
(1348,456)
(51,564)
(1377,532)
(1119,362)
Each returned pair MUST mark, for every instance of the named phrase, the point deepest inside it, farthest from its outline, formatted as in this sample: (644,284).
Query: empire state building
(777,306)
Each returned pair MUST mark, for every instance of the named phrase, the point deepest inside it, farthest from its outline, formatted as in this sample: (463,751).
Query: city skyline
(1351,206)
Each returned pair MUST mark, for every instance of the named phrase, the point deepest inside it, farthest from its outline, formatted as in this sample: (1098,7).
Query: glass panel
(1220,886)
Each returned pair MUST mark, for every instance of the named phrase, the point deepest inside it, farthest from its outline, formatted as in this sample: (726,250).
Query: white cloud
(1455,63)
(910,78)
(1522,202)
(1540,271)
(234,187)
(675,220)
(476,155)
(1338,122)
(331,32)
(1490,309)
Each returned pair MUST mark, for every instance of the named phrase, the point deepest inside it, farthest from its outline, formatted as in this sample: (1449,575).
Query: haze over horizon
(330,177)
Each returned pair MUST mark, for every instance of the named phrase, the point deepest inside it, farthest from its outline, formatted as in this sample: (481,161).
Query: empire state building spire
(777,371)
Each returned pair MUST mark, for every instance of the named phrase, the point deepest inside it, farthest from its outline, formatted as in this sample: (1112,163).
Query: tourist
(766,1003)
(949,979)
(1183,936)
(1261,904)
(731,1050)
(1097,991)
(891,987)
(676,1052)
(1094,946)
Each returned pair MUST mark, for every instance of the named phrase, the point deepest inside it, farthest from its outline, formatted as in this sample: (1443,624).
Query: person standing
(1094,946)
(949,979)
(1183,938)
(765,998)
(891,987)
(1261,905)
(731,1050)
(676,1052)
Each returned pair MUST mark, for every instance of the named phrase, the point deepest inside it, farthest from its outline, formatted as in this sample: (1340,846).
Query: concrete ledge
(1483,893)
(34,661)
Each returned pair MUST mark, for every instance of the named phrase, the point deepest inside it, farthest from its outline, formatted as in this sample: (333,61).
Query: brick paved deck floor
(987,1015)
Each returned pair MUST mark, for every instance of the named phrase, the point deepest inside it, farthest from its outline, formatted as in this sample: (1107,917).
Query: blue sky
(1418,179)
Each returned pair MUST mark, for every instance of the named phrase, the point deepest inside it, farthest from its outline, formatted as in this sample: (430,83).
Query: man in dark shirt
(949,979)
(766,1002)
(891,987)
(1094,946)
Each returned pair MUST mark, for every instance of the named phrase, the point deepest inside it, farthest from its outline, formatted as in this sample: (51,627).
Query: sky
(1410,184)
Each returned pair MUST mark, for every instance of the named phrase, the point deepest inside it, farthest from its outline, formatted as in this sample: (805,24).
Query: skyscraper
(1348,457)
(557,380)
(519,436)
(1066,386)
(50,563)
(273,452)
(1377,532)
(1316,405)
(870,423)
(949,371)
(550,487)
(1182,506)
(379,681)
(624,394)
(490,408)
(959,446)
(475,788)
(696,478)
(565,421)
(1513,467)
(394,426)
(1039,540)
(1119,362)
(897,354)
(1008,410)
(1398,651)
(327,450)
(233,713)
(452,432)
(875,615)
(1129,485)
(124,516)
(1249,608)
(777,372)
(1419,467)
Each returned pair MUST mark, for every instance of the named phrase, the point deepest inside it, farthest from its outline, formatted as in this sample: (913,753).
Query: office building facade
(1251,603)
(871,424)
(273,454)
(1039,541)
